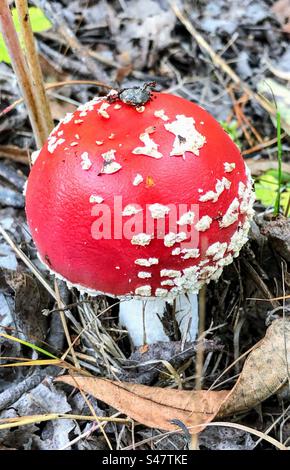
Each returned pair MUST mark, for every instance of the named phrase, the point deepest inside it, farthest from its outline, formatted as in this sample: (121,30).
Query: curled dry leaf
(264,373)
(152,406)
(265,370)
(282,10)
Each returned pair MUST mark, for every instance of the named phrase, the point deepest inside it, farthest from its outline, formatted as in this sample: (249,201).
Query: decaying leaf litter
(245,373)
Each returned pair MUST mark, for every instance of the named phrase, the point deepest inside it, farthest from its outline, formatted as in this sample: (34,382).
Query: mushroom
(145,203)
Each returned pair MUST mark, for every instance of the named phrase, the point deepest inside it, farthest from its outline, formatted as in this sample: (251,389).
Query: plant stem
(49,86)
(34,65)
(21,71)
(61,306)
(199,361)
(279,146)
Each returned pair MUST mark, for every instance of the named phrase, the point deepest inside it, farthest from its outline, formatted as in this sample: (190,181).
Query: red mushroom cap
(169,167)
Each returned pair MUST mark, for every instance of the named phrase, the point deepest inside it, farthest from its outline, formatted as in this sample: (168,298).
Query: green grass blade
(279,145)
(30,345)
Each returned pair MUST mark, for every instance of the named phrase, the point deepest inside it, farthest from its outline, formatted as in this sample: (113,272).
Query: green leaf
(38,20)
(39,23)
(285,176)
(4,56)
(29,345)
(232,129)
(266,187)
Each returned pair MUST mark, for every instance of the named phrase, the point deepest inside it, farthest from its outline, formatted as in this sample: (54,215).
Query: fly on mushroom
(134,96)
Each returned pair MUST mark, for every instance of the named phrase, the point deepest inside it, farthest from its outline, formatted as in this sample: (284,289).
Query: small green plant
(39,23)
(269,185)
(279,148)
(232,129)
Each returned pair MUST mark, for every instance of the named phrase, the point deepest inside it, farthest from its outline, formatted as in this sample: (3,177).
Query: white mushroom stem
(142,319)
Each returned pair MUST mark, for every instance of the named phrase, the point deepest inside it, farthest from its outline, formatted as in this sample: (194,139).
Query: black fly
(135,96)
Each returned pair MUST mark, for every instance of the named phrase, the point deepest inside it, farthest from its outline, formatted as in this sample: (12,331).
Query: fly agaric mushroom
(145,203)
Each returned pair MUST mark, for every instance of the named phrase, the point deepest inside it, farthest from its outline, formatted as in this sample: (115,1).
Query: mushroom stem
(145,319)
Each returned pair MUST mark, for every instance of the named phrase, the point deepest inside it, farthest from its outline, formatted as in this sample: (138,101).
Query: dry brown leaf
(153,406)
(265,370)
(264,373)
(282,10)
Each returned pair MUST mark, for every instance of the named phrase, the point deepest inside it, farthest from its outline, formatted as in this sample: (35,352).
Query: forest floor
(125,43)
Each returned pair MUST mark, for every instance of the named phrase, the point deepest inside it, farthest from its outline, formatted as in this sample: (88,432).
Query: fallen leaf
(153,406)
(282,10)
(264,373)
(265,370)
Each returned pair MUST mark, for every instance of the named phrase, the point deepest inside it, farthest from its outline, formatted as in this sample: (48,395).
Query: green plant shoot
(279,148)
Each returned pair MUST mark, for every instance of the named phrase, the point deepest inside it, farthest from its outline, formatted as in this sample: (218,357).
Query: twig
(239,116)
(34,65)
(201,329)
(252,273)
(50,86)
(92,410)
(54,294)
(199,356)
(86,327)
(64,325)
(7,423)
(14,153)
(267,143)
(273,424)
(255,432)
(27,262)
(278,73)
(12,394)
(21,71)
(94,428)
(221,63)
(216,382)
